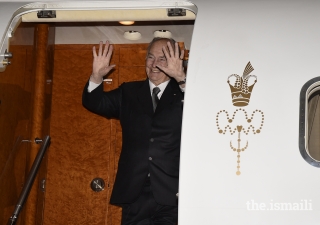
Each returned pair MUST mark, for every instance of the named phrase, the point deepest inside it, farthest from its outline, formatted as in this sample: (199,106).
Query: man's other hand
(101,62)
(174,67)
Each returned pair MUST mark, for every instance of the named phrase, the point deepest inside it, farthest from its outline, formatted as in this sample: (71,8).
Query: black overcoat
(150,140)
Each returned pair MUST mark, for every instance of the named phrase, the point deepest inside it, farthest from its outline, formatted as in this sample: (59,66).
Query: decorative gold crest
(241,92)
(256,116)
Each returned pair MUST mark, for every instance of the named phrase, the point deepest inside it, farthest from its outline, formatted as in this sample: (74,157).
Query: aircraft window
(309,135)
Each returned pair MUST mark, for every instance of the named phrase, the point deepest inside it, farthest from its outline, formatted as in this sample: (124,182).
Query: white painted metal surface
(281,40)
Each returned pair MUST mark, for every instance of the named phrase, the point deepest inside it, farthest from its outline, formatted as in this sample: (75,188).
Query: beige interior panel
(108,15)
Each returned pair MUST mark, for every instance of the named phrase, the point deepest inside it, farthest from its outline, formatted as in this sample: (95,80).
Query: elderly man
(150,114)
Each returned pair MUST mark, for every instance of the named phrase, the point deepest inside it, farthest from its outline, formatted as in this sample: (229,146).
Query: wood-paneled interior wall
(18,102)
(84,145)
(15,114)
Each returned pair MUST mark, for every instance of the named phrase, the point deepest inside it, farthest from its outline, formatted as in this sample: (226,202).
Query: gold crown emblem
(240,91)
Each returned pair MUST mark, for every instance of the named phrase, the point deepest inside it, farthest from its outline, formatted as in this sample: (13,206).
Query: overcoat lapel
(145,99)
(169,95)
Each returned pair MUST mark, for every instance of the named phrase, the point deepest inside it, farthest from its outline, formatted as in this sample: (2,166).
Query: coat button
(150,158)
(151,139)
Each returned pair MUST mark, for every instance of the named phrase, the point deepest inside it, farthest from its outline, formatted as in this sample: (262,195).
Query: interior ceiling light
(126,22)
(132,35)
(162,34)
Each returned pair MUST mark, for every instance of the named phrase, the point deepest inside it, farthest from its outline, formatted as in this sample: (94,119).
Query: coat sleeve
(107,104)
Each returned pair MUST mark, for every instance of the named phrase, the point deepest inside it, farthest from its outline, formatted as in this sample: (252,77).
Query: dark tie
(155,98)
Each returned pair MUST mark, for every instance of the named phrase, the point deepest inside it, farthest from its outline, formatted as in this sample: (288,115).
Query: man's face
(154,58)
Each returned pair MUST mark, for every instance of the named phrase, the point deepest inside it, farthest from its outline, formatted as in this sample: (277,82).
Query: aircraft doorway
(52,60)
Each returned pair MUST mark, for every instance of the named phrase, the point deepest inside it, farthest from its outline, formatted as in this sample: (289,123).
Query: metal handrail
(28,185)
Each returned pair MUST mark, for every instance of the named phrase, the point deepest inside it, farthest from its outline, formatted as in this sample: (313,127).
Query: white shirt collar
(162,87)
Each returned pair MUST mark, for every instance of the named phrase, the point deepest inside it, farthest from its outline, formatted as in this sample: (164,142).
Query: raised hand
(101,62)
(174,66)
